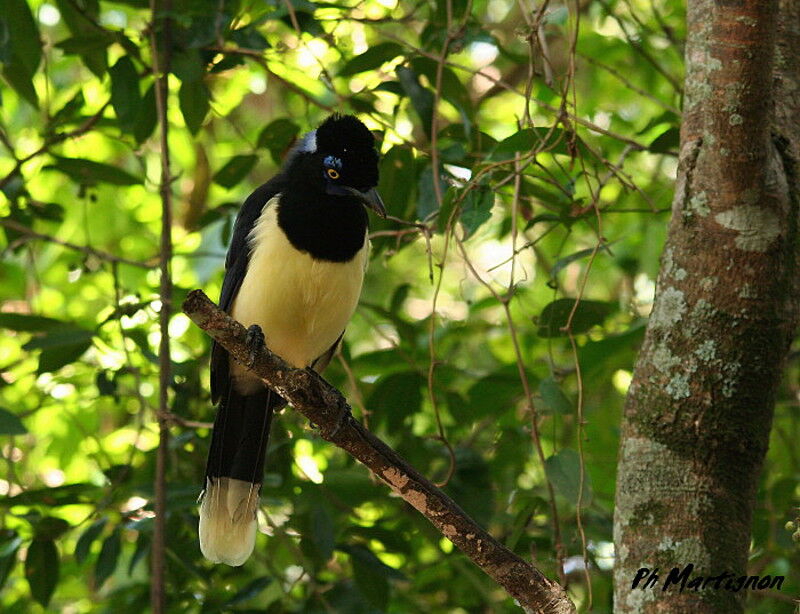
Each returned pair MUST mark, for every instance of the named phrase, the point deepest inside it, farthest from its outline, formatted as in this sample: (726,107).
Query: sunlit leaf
(372,58)
(89,172)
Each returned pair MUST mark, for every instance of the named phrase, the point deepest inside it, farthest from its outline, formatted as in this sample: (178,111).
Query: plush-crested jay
(294,268)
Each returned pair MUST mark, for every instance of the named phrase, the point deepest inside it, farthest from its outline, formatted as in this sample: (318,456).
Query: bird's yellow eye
(333,173)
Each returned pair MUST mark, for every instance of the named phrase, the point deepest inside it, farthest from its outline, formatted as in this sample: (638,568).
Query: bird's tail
(234,473)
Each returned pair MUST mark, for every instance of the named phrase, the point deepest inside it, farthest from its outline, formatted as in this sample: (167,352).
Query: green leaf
(10,542)
(188,65)
(612,352)
(563,472)
(395,397)
(125,96)
(553,397)
(588,313)
(194,102)
(25,40)
(88,172)
(452,90)
(10,424)
(476,209)
(277,137)
(669,140)
(60,347)
(494,393)
(107,559)
(145,121)
(90,41)
(421,98)
(545,140)
(370,575)
(60,337)
(68,494)
(399,297)
(28,323)
(52,359)
(567,260)
(80,45)
(235,170)
(42,569)
(372,58)
(50,527)
(17,78)
(397,177)
(426,199)
(249,37)
(318,533)
(69,111)
(251,590)
(393,87)
(87,538)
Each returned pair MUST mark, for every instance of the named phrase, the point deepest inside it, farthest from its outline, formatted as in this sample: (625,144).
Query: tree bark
(699,410)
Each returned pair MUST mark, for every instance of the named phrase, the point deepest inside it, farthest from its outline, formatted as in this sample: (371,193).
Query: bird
(293,273)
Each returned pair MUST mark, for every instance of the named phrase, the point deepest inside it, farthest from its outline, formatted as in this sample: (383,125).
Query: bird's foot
(255,342)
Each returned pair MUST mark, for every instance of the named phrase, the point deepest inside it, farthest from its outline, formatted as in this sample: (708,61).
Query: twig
(89,251)
(54,140)
(161,73)
(325,406)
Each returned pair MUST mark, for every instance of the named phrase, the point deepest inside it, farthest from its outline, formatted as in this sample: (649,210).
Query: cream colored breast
(300,303)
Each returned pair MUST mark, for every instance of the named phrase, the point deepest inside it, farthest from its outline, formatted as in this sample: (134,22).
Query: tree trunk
(698,414)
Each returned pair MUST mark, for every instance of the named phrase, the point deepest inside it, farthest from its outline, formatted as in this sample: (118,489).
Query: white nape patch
(309,144)
(228,520)
(301,304)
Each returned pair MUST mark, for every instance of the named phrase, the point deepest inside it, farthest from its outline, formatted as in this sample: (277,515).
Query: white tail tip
(228,520)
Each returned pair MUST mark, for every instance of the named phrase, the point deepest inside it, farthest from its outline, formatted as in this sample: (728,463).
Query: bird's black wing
(235,269)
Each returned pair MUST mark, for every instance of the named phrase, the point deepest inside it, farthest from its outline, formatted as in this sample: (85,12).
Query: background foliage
(498,325)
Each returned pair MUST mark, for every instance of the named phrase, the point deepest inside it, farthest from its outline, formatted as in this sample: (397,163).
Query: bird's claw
(254,341)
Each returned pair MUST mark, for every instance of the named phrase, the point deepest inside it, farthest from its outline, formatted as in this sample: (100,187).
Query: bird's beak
(370,199)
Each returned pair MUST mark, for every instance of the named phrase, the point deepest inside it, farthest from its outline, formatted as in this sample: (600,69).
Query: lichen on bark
(698,412)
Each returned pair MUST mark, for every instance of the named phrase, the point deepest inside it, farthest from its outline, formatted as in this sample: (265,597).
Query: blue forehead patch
(309,143)
(332,162)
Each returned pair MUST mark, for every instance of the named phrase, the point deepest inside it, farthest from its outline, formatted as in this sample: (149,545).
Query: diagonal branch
(325,407)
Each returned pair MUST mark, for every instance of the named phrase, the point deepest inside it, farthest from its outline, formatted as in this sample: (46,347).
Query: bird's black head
(340,159)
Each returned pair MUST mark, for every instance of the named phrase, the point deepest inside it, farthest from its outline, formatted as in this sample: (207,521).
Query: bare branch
(325,407)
